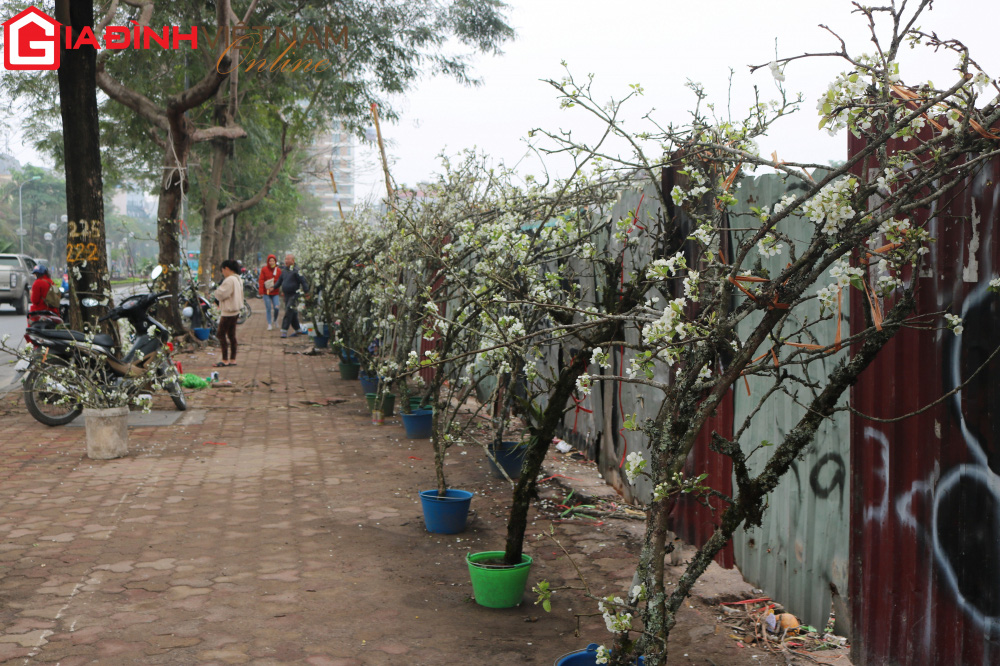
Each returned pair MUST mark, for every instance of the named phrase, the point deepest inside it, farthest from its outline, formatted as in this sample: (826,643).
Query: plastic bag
(191,381)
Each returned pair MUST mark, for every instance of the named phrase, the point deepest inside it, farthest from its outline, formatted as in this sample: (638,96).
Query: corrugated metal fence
(901,518)
(925,565)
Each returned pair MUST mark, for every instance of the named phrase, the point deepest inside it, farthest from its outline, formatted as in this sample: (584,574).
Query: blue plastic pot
(510,457)
(419,424)
(201,333)
(369,382)
(445,514)
(586,657)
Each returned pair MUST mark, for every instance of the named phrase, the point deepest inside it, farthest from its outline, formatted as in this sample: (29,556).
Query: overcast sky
(659,45)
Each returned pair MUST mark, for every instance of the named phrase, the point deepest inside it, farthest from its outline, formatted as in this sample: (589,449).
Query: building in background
(7,164)
(332,152)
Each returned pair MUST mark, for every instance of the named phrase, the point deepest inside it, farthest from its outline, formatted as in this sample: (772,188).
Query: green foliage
(544,595)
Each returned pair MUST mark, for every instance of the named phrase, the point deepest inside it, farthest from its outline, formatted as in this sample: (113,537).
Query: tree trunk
(86,249)
(226,239)
(541,439)
(172,187)
(440,448)
(209,223)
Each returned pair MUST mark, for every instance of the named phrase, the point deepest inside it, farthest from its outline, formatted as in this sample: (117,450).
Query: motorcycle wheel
(43,403)
(245,313)
(176,392)
(174,388)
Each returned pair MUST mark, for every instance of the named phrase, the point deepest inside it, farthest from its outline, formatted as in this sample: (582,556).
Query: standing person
(230,297)
(268,288)
(44,298)
(289,283)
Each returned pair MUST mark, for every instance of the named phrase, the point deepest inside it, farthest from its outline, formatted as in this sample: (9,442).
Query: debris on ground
(764,624)
(192,381)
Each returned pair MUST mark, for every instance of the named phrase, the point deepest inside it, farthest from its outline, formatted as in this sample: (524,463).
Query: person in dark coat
(290,282)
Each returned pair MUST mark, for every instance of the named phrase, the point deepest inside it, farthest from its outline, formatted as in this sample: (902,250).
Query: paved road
(11,324)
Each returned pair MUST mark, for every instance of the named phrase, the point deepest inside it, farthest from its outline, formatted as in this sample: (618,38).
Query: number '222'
(77,252)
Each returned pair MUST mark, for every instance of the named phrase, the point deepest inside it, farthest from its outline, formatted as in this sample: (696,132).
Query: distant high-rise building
(332,151)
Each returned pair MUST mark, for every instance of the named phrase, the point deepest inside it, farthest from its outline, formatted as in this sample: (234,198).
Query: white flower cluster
(584,384)
(703,234)
(695,190)
(994,285)
(776,71)
(955,323)
(634,367)
(886,281)
(691,286)
(831,206)
(783,203)
(602,656)
(616,621)
(769,245)
(634,465)
(827,297)
(844,104)
(843,272)
(601,358)
(980,80)
(669,326)
(506,329)
(661,269)
(901,231)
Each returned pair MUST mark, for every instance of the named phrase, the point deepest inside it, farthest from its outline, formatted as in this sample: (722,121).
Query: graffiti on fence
(954,509)
(964,528)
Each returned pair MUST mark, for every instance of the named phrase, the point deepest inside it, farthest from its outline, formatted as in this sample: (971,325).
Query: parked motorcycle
(203,317)
(250,285)
(49,397)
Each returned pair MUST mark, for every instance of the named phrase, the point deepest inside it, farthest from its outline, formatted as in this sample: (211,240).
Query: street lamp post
(20,213)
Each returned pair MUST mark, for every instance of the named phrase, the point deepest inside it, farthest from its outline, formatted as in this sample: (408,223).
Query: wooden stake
(381,148)
(334,183)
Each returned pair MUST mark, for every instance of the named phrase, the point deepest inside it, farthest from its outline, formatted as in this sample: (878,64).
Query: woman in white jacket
(230,297)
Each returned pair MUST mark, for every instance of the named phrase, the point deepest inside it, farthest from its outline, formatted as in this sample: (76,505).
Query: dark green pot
(349,370)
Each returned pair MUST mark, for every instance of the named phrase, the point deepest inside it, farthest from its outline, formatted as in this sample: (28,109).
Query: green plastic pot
(388,403)
(349,370)
(497,586)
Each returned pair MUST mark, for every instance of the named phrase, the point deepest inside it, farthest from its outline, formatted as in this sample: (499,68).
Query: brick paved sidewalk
(267,529)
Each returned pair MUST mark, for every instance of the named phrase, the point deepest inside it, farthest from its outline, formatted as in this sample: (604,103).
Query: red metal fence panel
(925,510)
(691,520)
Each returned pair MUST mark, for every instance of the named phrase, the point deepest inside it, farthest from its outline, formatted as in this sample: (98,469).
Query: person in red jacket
(42,302)
(269,275)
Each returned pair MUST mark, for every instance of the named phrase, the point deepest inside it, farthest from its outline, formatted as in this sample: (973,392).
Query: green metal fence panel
(799,554)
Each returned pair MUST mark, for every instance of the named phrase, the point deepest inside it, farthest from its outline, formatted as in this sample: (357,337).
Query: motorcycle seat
(102,339)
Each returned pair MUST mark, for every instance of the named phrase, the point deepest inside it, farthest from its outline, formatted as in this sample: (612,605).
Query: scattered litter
(766,626)
(190,381)
(561,446)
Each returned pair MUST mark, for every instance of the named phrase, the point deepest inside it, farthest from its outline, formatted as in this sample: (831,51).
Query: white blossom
(634,464)
(955,323)
(776,71)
